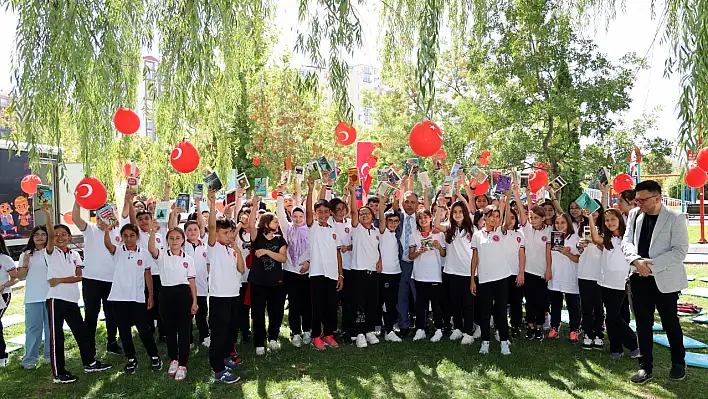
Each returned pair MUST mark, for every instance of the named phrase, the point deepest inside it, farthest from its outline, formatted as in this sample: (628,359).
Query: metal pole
(701,195)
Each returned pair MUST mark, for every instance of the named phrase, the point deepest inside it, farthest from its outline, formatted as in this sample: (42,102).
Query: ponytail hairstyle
(30,246)
(607,234)
(180,231)
(130,227)
(3,247)
(465,227)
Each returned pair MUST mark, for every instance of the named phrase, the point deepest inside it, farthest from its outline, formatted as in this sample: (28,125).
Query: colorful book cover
(211,179)
(427,243)
(313,170)
(437,161)
(412,166)
(334,172)
(447,188)
(586,202)
(288,163)
(133,185)
(242,181)
(557,240)
(198,190)
(299,174)
(558,183)
(425,180)
(393,177)
(183,201)
(285,176)
(603,177)
(382,175)
(108,216)
(44,195)
(162,211)
(386,190)
(503,184)
(352,177)
(359,193)
(260,186)
(456,168)
(478,174)
(324,165)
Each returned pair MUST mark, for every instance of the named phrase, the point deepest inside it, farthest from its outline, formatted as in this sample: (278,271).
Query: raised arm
(297,196)
(470,201)
(596,238)
(352,207)
(556,203)
(166,194)
(152,248)
(256,200)
(50,229)
(107,237)
(239,259)
(523,218)
(308,205)
(503,205)
(200,219)
(605,194)
(211,201)
(437,220)
(280,211)
(382,213)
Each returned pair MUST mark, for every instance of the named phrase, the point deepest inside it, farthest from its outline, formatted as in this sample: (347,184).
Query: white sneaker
(377,330)
(181,374)
(174,365)
(274,345)
(3,362)
(505,348)
(296,340)
(260,351)
(392,337)
(477,332)
(306,338)
(496,336)
(484,349)
(456,334)
(547,324)
(597,343)
(371,338)
(361,341)
(467,339)
(420,334)
(206,342)
(587,342)
(437,336)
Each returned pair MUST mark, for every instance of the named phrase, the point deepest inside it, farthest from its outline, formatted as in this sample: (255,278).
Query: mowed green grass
(407,370)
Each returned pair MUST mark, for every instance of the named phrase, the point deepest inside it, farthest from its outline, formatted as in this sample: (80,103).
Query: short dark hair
(628,195)
(131,227)
(372,200)
(392,214)
(321,203)
(334,202)
(141,213)
(62,226)
(649,185)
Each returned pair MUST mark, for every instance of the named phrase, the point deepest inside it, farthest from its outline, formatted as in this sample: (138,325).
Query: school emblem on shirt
(204,254)
(544,238)
(346,230)
(334,236)
(117,238)
(495,238)
(185,264)
(469,237)
(518,239)
(140,262)
(157,239)
(377,238)
(75,262)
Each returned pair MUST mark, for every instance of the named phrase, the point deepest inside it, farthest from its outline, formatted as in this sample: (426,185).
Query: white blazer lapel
(660,221)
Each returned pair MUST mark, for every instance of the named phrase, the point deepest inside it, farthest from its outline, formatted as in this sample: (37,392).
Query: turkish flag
(364,163)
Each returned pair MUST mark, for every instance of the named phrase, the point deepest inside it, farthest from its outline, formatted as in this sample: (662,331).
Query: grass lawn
(407,370)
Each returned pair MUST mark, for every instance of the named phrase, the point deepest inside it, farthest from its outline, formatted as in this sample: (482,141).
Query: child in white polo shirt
(565,279)
(197,249)
(390,276)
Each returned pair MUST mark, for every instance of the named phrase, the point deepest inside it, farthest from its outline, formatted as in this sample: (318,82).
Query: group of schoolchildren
(469,261)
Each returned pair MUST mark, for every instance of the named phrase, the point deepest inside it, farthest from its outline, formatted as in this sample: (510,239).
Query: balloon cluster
(696,176)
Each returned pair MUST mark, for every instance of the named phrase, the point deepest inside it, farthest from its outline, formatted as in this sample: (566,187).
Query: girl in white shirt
(390,277)
(8,278)
(589,268)
(490,264)
(196,248)
(243,242)
(33,268)
(456,272)
(565,279)
(613,277)
(178,297)
(426,251)
(515,254)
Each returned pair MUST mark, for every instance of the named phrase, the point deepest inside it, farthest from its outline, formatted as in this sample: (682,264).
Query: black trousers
(645,298)
(154,313)
(348,317)
(176,315)
(493,297)
(324,305)
(223,321)
(536,292)
(572,303)
(516,299)
(201,319)
(617,328)
(363,300)
(7,298)
(427,294)
(461,302)
(297,287)
(60,311)
(129,314)
(624,311)
(95,293)
(591,308)
(271,298)
(388,299)
(243,324)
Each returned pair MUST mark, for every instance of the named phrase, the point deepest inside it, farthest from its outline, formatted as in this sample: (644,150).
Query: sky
(633,30)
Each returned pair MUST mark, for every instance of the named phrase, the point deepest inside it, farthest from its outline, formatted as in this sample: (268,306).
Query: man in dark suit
(404,233)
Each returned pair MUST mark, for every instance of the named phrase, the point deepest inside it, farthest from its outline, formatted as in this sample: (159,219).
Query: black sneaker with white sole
(131,366)
(678,372)
(539,335)
(642,377)
(530,333)
(156,363)
(96,366)
(67,378)
(113,348)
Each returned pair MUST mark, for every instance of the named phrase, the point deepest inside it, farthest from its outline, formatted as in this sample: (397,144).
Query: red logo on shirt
(74,262)
(185,264)
(334,236)
(140,262)
(377,238)
(518,239)
(495,238)
(544,238)
(204,254)
(157,239)
(235,255)
(117,238)
(469,237)
(346,230)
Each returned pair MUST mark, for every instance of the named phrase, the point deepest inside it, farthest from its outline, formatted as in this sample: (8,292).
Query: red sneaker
(318,344)
(553,334)
(574,337)
(329,341)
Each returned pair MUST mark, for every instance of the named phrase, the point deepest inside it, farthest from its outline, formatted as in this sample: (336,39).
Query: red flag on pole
(364,163)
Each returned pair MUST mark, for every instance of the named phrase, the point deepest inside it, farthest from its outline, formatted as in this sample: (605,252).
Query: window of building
(367,78)
(367,69)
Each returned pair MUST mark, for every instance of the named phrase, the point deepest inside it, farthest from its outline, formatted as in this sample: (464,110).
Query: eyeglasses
(364,213)
(640,201)
(61,235)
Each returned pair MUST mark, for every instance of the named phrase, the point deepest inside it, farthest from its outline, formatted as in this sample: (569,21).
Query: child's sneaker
(553,334)
(539,335)
(306,338)
(296,340)
(226,377)
(530,333)
(392,337)
(131,366)
(456,334)
(172,370)
(484,349)
(477,332)
(96,366)
(274,345)
(635,354)
(587,342)
(318,344)
(361,341)
(420,334)
(437,336)
(206,342)
(505,348)
(616,356)
(371,338)
(329,341)
(547,324)
(260,351)
(181,373)
(574,337)
(598,343)
(66,378)
(156,363)
(467,339)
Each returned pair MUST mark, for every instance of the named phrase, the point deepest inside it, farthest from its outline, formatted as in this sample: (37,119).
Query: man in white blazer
(655,244)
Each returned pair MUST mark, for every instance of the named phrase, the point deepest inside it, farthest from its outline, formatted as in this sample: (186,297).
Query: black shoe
(96,366)
(67,378)
(404,332)
(162,339)
(538,334)
(156,363)
(642,376)
(113,348)
(131,366)
(515,332)
(678,372)
(530,333)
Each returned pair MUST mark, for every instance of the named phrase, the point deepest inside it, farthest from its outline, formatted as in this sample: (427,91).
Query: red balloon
(484,154)
(484,161)
(622,182)
(126,170)
(702,159)
(426,138)
(442,154)
(346,134)
(68,217)
(90,193)
(274,194)
(126,120)
(185,157)
(695,177)
(482,188)
(29,184)
(537,179)
(256,161)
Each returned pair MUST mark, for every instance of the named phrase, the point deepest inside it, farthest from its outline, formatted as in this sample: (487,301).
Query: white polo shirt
(490,248)
(61,265)
(129,277)
(590,263)
(6,266)
(199,256)
(175,269)
(224,278)
(428,266)
(565,271)
(143,239)
(388,244)
(513,241)
(615,268)
(344,238)
(245,245)
(536,243)
(323,251)
(37,286)
(458,259)
(97,258)
(365,250)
